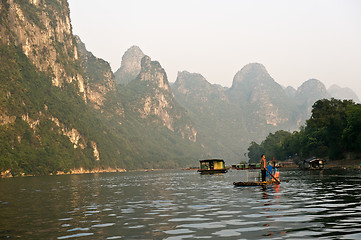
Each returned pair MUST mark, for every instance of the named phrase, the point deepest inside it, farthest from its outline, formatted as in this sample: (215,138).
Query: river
(181,205)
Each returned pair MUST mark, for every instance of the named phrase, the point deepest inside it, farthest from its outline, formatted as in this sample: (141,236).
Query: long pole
(273,176)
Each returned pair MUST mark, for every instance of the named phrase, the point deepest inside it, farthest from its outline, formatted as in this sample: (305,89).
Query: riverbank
(344,163)
(331,164)
(8,174)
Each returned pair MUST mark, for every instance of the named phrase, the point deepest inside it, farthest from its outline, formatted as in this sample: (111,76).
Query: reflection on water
(181,205)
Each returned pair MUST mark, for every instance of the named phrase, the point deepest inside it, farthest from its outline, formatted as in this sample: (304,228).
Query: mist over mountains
(64,110)
(228,119)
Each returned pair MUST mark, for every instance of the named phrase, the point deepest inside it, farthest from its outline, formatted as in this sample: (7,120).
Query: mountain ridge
(255,103)
(342,93)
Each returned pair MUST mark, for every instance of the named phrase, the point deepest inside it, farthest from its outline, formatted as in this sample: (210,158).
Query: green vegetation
(31,13)
(94,68)
(152,144)
(333,130)
(123,141)
(24,93)
(43,149)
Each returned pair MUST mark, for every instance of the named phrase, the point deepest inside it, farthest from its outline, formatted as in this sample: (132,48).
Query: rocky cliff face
(159,102)
(130,65)
(44,31)
(98,74)
(220,125)
(152,72)
(254,86)
(44,117)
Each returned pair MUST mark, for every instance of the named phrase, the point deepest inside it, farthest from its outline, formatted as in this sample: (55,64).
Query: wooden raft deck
(245,184)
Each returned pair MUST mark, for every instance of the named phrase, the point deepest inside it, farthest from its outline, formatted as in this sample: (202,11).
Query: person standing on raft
(263,167)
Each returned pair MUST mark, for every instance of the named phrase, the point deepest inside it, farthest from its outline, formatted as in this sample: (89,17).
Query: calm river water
(181,205)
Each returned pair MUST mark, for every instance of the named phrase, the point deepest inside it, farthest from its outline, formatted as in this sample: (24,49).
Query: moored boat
(313,163)
(211,166)
(246,166)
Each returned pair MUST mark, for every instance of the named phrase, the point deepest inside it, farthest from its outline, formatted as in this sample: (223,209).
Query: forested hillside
(45,124)
(333,132)
(44,129)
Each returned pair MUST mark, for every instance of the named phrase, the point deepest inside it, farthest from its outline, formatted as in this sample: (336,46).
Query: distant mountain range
(228,119)
(64,110)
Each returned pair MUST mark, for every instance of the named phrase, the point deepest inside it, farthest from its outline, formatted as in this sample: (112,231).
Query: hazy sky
(294,40)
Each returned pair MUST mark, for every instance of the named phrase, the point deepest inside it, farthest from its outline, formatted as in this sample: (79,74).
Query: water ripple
(182,205)
(76,235)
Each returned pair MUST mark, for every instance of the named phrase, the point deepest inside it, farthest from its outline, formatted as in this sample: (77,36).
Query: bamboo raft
(273,180)
(257,183)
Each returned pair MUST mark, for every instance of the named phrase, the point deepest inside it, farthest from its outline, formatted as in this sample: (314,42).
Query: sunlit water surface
(181,205)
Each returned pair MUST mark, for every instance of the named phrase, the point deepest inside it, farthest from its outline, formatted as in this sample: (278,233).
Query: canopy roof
(212,160)
(312,159)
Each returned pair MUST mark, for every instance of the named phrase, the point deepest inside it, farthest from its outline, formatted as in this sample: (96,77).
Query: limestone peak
(342,93)
(152,71)
(252,73)
(130,65)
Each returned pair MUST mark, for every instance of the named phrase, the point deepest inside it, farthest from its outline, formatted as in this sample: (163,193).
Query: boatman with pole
(263,167)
